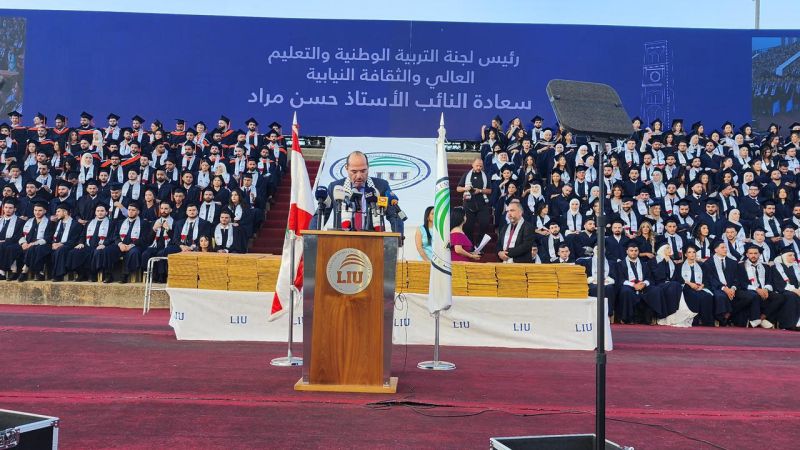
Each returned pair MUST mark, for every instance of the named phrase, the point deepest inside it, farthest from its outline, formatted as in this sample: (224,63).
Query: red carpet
(120,380)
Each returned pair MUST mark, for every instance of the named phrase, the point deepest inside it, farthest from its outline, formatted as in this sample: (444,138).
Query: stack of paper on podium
(542,280)
(212,270)
(182,270)
(512,280)
(481,280)
(572,281)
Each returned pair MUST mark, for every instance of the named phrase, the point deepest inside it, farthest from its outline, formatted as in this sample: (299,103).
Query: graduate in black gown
(87,258)
(637,294)
(132,236)
(10,232)
(760,286)
(35,243)
(696,293)
(725,281)
(162,232)
(667,279)
(227,237)
(787,283)
(66,235)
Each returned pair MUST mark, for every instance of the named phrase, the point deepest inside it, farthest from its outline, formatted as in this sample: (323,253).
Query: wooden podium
(348,307)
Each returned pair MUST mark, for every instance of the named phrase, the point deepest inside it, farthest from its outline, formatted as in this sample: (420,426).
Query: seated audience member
(787,283)
(766,304)
(697,295)
(206,245)
(33,249)
(68,233)
(725,281)
(163,232)
(10,232)
(636,294)
(667,279)
(88,257)
(131,238)
(564,254)
(227,237)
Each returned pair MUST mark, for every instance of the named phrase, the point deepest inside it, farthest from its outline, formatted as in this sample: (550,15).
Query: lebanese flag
(301,210)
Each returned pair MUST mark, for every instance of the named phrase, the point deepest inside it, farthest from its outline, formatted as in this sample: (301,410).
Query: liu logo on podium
(349,271)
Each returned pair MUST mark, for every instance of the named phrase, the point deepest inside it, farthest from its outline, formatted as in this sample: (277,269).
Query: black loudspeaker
(589,108)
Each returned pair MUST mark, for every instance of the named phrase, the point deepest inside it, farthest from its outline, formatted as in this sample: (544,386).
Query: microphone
(393,200)
(338,197)
(347,219)
(355,204)
(371,213)
(321,193)
(382,203)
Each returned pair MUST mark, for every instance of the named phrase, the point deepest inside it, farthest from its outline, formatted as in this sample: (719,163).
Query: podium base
(436,365)
(360,388)
(287,361)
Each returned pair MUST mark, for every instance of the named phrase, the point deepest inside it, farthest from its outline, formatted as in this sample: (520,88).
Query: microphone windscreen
(338,193)
(321,193)
(383,202)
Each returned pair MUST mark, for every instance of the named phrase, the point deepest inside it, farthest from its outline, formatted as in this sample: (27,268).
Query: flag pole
(289,360)
(441,275)
(436,364)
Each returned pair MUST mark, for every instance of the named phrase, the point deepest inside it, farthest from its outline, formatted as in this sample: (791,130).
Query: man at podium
(358,201)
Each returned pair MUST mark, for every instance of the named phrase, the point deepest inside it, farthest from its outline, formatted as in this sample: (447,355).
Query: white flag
(440,294)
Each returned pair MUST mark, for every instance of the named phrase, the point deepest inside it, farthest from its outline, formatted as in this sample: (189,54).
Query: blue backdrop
(376,78)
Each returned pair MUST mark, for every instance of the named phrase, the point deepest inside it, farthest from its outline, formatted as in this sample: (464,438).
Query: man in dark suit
(712,218)
(725,280)
(68,233)
(617,242)
(635,284)
(131,237)
(517,237)
(358,180)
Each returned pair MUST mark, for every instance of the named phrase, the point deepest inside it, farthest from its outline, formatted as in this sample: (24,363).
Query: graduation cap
(627,198)
(653,123)
(191,130)
(745,127)
(580,168)
(225,119)
(128,129)
(13,188)
(696,126)
(135,204)
(192,203)
(248,121)
(158,142)
(87,116)
(101,205)
(677,121)
(179,190)
(535,118)
(716,243)
(632,243)
(180,121)
(498,119)
(784,250)
(712,201)
(61,117)
(656,139)
(33,182)
(112,116)
(794,125)
(642,189)
(14,114)
(727,122)
(40,202)
(637,118)
(10,201)
(116,186)
(617,220)
(158,123)
(669,220)
(277,125)
(768,202)
(508,167)
(41,117)
(138,118)
(789,224)
(691,246)
(65,183)
(5,125)
(551,222)
(92,182)
(200,123)
(773,124)
(273,132)
(753,246)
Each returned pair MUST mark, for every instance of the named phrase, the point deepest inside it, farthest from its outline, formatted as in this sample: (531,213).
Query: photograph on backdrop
(776,81)
(12,62)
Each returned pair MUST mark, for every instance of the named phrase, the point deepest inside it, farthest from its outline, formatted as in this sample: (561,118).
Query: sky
(734,14)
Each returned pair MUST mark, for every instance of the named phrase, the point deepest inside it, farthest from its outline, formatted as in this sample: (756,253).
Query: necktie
(208,209)
(691,277)
(511,235)
(575,223)
(161,233)
(190,234)
(359,218)
(96,232)
(773,225)
(635,272)
(4,229)
(34,232)
(224,237)
(674,245)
